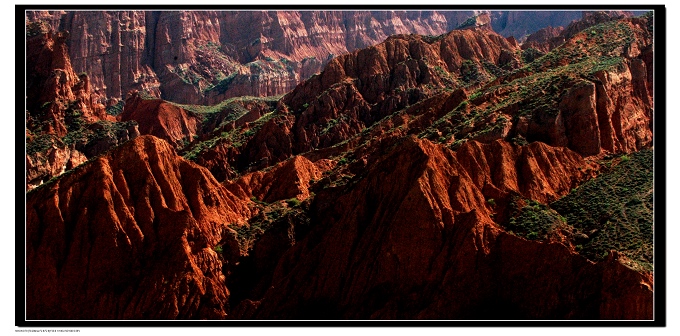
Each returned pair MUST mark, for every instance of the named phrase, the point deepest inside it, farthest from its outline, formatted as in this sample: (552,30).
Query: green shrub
(293,202)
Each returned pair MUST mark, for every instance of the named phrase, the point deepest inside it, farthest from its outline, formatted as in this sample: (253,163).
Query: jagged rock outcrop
(42,166)
(52,86)
(207,56)
(416,226)
(481,21)
(541,39)
(393,185)
(358,89)
(288,179)
(548,38)
(59,105)
(536,171)
(161,119)
(130,235)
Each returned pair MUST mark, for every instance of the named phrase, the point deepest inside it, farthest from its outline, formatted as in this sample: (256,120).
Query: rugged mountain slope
(548,38)
(414,238)
(131,234)
(160,118)
(52,86)
(425,177)
(356,90)
(64,122)
(591,94)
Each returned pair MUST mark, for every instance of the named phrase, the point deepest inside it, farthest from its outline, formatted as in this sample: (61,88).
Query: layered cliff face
(206,56)
(53,87)
(135,232)
(111,47)
(424,177)
(64,122)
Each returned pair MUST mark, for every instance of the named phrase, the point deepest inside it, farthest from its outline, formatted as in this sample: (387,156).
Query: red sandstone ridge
(426,177)
(548,38)
(396,84)
(537,171)
(207,56)
(540,40)
(160,118)
(52,85)
(131,235)
(358,89)
(414,239)
(287,179)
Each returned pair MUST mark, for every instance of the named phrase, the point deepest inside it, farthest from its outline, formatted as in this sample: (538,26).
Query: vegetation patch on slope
(615,210)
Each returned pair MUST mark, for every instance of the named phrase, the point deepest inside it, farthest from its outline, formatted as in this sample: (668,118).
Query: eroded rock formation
(130,235)
(382,188)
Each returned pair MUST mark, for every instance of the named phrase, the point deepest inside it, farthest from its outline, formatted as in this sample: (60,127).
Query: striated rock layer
(130,235)
(207,56)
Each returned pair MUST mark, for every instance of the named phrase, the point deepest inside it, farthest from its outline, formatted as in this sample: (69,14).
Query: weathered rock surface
(130,235)
(161,119)
(207,56)
(417,226)
(537,171)
(52,85)
(356,212)
(548,38)
(288,179)
(42,166)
